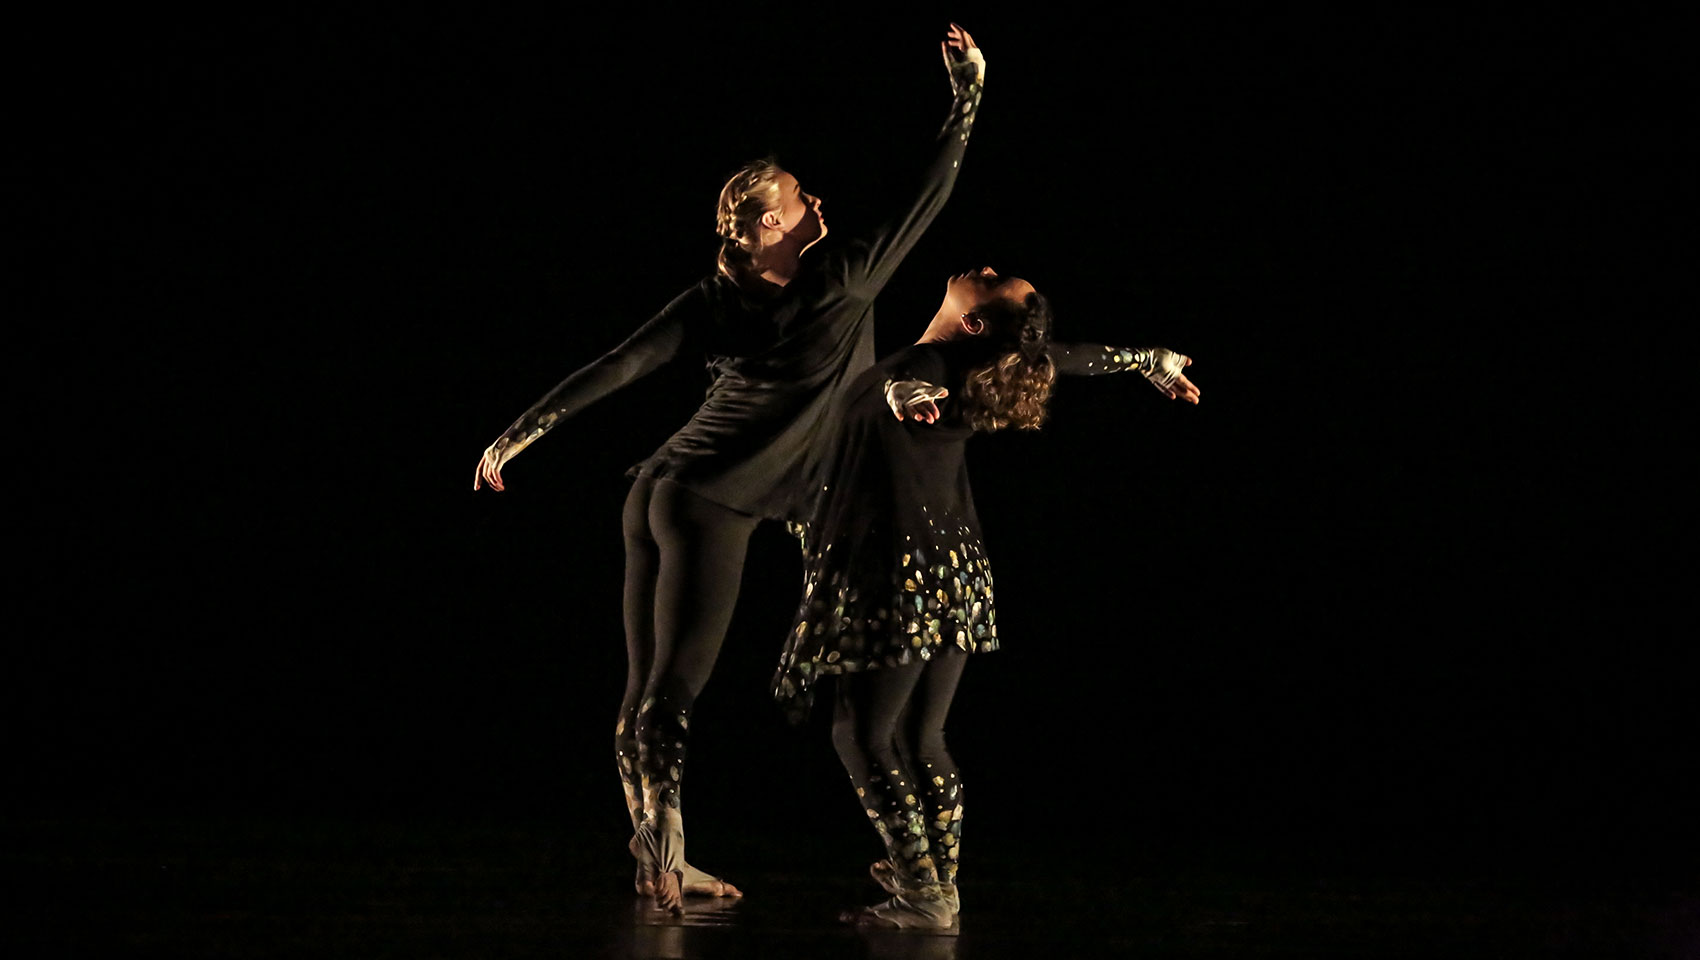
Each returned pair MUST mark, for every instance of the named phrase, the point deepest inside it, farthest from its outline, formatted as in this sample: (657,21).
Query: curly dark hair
(1011,390)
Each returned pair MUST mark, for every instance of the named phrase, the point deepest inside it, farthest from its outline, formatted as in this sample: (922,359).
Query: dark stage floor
(445,889)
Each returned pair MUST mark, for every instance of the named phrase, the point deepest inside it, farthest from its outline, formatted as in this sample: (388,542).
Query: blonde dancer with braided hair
(782,336)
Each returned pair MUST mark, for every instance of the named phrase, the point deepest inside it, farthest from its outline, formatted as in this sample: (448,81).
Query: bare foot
(696,883)
(700,884)
(887,877)
(669,894)
(916,911)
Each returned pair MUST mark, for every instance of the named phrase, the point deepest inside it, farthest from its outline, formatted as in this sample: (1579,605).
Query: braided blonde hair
(751,192)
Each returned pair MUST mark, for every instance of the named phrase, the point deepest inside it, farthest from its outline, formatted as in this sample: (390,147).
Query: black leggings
(888,727)
(684,564)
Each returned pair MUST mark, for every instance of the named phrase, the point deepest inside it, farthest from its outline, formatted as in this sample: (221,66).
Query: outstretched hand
(958,47)
(915,400)
(1181,388)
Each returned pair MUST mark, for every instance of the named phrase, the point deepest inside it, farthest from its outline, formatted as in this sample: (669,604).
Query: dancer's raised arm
(867,263)
(664,337)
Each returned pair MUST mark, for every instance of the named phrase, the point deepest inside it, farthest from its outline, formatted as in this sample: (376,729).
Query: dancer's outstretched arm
(913,397)
(867,263)
(1159,365)
(664,337)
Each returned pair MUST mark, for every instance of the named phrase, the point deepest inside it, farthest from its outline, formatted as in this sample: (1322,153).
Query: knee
(858,741)
(929,750)
(844,739)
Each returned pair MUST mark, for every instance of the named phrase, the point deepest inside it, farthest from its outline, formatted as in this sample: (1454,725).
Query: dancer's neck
(945,325)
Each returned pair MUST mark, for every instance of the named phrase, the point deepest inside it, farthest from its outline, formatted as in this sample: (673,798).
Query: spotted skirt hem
(858,616)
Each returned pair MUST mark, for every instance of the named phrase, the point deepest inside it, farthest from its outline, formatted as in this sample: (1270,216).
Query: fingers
(489,472)
(920,409)
(960,38)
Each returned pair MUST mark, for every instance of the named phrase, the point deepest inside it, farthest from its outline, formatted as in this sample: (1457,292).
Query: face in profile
(799,213)
(966,291)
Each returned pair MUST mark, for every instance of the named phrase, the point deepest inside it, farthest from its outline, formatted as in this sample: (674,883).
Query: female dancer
(781,339)
(898,591)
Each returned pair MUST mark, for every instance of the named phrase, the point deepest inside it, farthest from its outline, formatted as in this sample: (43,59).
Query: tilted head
(966,293)
(988,305)
(1014,321)
(763,215)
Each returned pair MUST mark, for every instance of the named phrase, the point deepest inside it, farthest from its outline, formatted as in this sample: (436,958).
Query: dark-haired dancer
(782,338)
(898,591)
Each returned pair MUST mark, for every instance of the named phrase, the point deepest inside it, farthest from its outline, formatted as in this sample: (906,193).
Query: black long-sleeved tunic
(893,563)
(778,366)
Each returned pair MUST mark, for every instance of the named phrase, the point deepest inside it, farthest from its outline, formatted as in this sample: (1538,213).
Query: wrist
(967,76)
(1161,366)
(516,439)
(978,59)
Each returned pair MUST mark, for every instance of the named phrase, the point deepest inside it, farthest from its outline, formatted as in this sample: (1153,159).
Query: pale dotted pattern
(939,593)
(901,825)
(1121,360)
(968,93)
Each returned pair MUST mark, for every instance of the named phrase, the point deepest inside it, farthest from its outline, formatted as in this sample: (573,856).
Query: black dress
(778,366)
(894,567)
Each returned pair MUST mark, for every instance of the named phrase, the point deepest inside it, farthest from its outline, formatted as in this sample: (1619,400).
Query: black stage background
(1389,600)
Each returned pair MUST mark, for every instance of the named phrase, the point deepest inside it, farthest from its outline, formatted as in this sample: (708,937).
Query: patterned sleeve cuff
(1121,360)
(530,427)
(967,82)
